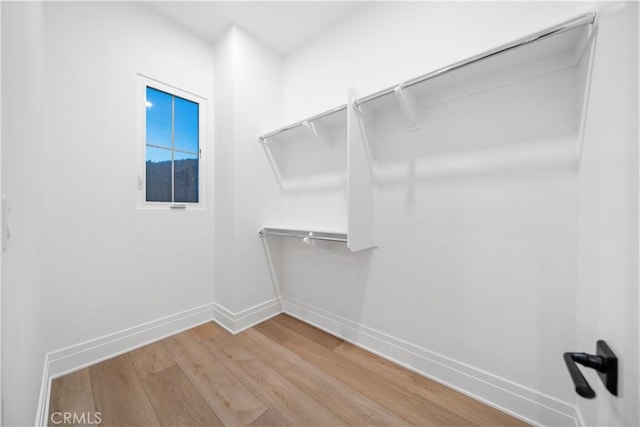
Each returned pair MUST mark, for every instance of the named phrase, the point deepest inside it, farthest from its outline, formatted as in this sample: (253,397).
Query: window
(173,134)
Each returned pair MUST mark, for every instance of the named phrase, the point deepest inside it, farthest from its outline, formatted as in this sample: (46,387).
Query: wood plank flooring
(282,372)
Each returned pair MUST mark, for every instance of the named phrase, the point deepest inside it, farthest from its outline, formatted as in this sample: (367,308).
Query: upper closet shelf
(307,236)
(313,126)
(552,49)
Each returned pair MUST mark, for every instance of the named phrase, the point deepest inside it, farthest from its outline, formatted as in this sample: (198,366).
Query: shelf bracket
(313,130)
(363,112)
(310,239)
(409,105)
(272,162)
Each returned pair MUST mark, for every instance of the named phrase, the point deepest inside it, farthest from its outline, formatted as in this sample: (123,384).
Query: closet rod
(301,235)
(297,124)
(588,18)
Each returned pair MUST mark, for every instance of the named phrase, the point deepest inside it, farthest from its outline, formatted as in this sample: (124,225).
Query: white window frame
(141,108)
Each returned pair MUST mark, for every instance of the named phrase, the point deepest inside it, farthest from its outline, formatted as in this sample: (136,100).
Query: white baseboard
(42,411)
(519,401)
(579,417)
(79,356)
(96,350)
(238,322)
(524,403)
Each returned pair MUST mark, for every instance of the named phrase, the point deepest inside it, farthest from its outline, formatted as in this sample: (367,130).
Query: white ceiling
(282,25)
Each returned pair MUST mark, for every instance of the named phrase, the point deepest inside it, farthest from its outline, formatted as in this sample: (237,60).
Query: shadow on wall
(476,223)
(526,127)
(326,275)
(303,163)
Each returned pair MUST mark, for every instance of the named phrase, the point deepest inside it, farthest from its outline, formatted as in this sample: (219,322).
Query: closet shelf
(549,50)
(557,47)
(308,123)
(308,236)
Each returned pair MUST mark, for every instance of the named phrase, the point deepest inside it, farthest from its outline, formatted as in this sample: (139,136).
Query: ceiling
(282,25)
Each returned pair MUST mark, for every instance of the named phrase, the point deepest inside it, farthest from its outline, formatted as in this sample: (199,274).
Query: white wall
(2,217)
(109,266)
(23,284)
(477,212)
(248,103)
(608,223)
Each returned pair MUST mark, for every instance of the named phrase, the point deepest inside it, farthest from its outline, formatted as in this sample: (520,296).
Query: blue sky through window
(172,139)
(186,125)
(158,118)
(159,121)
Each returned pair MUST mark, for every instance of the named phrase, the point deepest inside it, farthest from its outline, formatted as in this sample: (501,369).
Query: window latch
(140,182)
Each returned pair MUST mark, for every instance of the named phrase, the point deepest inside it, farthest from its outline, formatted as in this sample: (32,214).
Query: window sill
(171,207)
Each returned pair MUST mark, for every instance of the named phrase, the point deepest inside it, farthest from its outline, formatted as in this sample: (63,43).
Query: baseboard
(79,356)
(238,322)
(96,350)
(42,411)
(579,417)
(522,402)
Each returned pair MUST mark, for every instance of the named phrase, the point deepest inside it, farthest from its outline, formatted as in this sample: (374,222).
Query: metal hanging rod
(262,138)
(306,236)
(588,18)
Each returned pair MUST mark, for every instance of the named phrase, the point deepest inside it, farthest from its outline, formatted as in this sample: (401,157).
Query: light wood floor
(281,372)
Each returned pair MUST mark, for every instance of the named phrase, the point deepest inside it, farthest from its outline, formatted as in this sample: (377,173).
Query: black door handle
(582,386)
(604,362)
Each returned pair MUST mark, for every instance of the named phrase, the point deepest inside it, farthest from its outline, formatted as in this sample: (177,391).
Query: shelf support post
(361,176)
